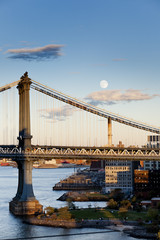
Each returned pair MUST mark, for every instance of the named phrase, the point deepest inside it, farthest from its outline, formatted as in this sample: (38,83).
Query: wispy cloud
(59,114)
(119,59)
(115,96)
(39,54)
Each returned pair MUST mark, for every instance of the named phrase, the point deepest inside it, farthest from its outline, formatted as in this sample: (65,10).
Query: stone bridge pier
(24,203)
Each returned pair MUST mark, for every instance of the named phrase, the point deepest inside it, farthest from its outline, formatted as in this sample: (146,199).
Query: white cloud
(115,96)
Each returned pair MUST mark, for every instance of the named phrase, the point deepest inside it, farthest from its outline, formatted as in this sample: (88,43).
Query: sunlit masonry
(25,203)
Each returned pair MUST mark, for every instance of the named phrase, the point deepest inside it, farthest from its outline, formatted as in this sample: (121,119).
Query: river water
(13,228)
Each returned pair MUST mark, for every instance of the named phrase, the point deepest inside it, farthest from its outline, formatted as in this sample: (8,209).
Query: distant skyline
(72,45)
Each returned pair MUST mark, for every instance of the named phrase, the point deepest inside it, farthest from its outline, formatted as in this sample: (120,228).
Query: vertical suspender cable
(52,135)
(87,127)
(46,127)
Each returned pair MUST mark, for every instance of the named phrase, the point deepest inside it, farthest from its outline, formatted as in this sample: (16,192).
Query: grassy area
(86,196)
(97,196)
(106,214)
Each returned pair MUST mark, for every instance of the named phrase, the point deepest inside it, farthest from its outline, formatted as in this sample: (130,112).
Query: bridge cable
(95,110)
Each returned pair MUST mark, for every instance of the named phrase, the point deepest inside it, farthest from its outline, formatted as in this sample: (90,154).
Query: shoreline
(130,228)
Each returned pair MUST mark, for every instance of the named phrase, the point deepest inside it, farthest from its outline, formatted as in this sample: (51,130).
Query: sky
(71,45)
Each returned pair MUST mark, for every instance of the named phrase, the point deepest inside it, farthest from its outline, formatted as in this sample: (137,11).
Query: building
(147,182)
(97,165)
(151,165)
(119,174)
(153,141)
(141,180)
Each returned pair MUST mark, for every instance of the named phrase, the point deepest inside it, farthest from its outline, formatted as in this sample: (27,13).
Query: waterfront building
(119,175)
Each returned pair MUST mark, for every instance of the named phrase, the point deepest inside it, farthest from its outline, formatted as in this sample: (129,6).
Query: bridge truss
(103,153)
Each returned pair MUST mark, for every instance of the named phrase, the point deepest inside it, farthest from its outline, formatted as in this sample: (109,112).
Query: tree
(49,210)
(152,214)
(158,234)
(134,199)
(64,214)
(112,204)
(126,204)
(117,194)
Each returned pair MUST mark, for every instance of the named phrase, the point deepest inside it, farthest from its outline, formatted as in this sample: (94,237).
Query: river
(13,228)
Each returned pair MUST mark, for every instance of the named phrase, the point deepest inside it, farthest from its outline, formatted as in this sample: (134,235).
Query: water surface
(12,227)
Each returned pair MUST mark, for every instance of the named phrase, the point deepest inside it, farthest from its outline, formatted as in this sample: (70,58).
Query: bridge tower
(24,203)
(109,132)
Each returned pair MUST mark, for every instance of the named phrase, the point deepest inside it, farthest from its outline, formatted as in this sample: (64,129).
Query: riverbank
(113,224)
(130,228)
(101,218)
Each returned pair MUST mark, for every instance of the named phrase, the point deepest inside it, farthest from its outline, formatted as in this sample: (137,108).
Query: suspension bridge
(24,152)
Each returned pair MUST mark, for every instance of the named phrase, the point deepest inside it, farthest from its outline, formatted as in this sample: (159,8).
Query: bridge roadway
(73,152)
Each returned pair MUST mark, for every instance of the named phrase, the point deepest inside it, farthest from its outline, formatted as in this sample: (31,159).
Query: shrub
(49,210)
(152,214)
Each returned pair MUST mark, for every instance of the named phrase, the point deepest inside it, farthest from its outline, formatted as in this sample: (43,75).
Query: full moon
(103,84)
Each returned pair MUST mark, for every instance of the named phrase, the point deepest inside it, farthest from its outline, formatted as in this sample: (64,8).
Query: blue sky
(115,40)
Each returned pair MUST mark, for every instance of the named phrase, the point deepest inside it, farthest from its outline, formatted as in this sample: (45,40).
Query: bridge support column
(24,203)
(109,132)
